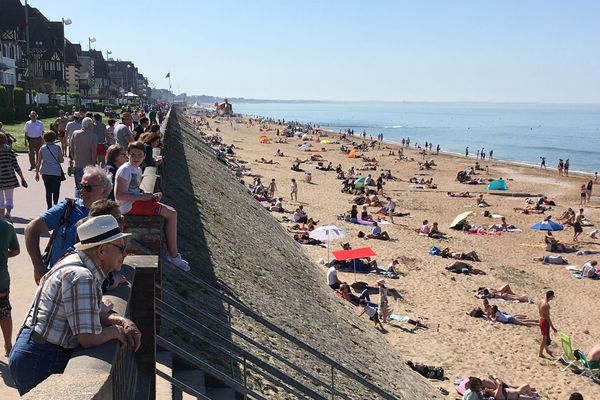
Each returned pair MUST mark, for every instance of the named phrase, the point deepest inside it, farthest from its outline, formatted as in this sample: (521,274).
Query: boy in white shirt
(133,201)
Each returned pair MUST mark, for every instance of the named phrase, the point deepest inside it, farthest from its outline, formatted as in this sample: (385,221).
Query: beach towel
(383,222)
(399,318)
(578,275)
(460,385)
(363,222)
(483,233)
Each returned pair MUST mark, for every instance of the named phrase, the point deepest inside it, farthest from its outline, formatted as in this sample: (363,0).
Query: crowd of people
(87,240)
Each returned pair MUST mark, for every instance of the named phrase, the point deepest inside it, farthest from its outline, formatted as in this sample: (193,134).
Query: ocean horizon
(519,132)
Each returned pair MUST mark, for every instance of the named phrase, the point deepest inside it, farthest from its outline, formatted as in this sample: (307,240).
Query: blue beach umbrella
(547,226)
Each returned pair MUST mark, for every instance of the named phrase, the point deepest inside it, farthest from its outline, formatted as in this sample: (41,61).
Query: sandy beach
(462,345)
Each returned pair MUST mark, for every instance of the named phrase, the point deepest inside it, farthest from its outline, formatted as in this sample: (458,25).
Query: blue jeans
(77,175)
(31,363)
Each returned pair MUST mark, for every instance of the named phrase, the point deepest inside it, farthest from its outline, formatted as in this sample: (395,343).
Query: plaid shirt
(69,301)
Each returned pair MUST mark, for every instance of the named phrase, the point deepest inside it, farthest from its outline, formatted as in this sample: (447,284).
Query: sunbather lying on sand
(346,293)
(501,392)
(506,318)
(502,226)
(504,293)
(557,260)
(305,239)
(555,245)
(470,256)
(459,194)
(459,267)
(265,161)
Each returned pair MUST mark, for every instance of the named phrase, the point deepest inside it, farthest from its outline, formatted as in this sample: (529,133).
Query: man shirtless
(546,323)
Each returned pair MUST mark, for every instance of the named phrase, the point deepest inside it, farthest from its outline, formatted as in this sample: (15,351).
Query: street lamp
(90,41)
(107,54)
(65,23)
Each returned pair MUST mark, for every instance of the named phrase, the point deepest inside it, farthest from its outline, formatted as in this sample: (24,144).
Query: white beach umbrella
(328,233)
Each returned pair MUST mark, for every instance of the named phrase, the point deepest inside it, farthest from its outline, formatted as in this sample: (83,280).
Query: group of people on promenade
(87,243)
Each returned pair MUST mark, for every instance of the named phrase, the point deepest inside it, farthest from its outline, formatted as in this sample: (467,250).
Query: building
(94,82)
(72,67)
(12,63)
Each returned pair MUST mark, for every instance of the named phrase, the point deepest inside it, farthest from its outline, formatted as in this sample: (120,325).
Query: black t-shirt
(138,131)
(353,213)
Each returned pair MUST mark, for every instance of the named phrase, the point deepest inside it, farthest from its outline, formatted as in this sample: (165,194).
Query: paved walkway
(29,203)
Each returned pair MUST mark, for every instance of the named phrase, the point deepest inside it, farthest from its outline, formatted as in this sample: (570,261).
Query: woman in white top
(48,164)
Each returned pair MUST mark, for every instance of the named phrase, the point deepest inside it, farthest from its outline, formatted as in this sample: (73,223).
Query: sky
(542,51)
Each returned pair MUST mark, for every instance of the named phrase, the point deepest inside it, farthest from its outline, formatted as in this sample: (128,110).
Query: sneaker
(8,218)
(179,262)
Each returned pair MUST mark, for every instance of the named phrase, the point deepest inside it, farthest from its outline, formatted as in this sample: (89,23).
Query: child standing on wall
(132,201)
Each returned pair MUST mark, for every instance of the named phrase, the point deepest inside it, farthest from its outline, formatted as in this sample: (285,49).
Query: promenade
(29,203)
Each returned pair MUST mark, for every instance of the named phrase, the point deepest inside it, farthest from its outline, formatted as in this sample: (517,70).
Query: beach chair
(590,368)
(568,357)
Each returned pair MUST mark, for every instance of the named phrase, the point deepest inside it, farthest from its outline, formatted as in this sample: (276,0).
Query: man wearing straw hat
(66,312)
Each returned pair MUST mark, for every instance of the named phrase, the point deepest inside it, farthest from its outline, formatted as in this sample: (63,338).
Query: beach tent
(263,139)
(359,183)
(547,226)
(352,153)
(353,254)
(460,218)
(497,184)
(328,233)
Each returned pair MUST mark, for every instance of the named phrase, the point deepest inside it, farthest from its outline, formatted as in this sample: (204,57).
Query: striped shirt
(8,167)
(69,301)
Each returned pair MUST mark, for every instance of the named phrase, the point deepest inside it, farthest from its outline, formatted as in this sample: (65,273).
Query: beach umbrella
(547,226)
(460,218)
(328,233)
(353,254)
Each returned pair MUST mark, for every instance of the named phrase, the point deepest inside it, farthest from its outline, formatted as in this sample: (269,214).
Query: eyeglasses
(120,219)
(122,248)
(87,187)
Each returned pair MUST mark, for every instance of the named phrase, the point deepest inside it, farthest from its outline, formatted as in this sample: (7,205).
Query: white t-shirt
(133,178)
(332,276)
(34,129)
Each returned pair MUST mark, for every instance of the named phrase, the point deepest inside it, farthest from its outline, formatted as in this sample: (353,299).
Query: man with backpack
(62,219)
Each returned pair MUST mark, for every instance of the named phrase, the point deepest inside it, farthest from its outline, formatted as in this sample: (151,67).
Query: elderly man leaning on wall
(67,308)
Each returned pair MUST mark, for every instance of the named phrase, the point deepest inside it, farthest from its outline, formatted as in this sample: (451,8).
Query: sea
(515,132)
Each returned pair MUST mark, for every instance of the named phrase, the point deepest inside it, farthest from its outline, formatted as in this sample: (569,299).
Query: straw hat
(98,230)
(381,282)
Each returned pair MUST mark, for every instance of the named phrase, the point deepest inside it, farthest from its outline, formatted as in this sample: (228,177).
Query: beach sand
(462,345)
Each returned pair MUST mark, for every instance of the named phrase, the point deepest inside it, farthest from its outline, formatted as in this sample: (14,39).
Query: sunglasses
(120,219)
(122,248)
(87,187)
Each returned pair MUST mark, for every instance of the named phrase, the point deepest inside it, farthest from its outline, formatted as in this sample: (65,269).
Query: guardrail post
(142,313)
(332,384)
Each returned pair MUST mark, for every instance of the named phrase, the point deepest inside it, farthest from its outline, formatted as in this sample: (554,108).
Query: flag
(168,75)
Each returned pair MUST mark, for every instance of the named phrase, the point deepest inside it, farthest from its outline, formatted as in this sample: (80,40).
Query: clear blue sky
(507,51)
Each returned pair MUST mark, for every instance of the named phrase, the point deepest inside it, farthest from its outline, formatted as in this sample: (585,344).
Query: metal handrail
(250,341)
(182,386)
(182,320)
(166,344)
(271,326)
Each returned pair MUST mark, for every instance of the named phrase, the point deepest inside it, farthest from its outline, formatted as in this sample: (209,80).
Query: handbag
(62,173)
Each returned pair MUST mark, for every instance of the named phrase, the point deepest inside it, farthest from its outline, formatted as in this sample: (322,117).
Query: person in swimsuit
(577,228)
(543,163)
(546,323)
(582,194)
(503,392)
(588,191)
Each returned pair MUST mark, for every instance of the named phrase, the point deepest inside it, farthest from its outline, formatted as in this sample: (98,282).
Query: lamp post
(108,52)
(65,22)
(90,41)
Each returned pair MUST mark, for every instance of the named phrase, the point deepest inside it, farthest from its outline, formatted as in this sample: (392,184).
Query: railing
(204,325)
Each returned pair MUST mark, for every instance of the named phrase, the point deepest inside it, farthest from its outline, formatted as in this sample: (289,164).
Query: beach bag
(435,251)
(476,313)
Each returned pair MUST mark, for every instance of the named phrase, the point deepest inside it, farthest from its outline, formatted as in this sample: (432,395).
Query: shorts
(146,207)
(5,307)
(101,149)
(577,228)
(374,318)
(544,327)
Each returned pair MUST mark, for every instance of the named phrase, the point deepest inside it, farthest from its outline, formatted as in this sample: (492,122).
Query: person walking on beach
(560,167)
(272,188)
(577,224)
(477,155)
(546,323)
(491,154)
(566,168)
(294,190)
(467,152)
(437,150)
(588,190)
(543,163)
